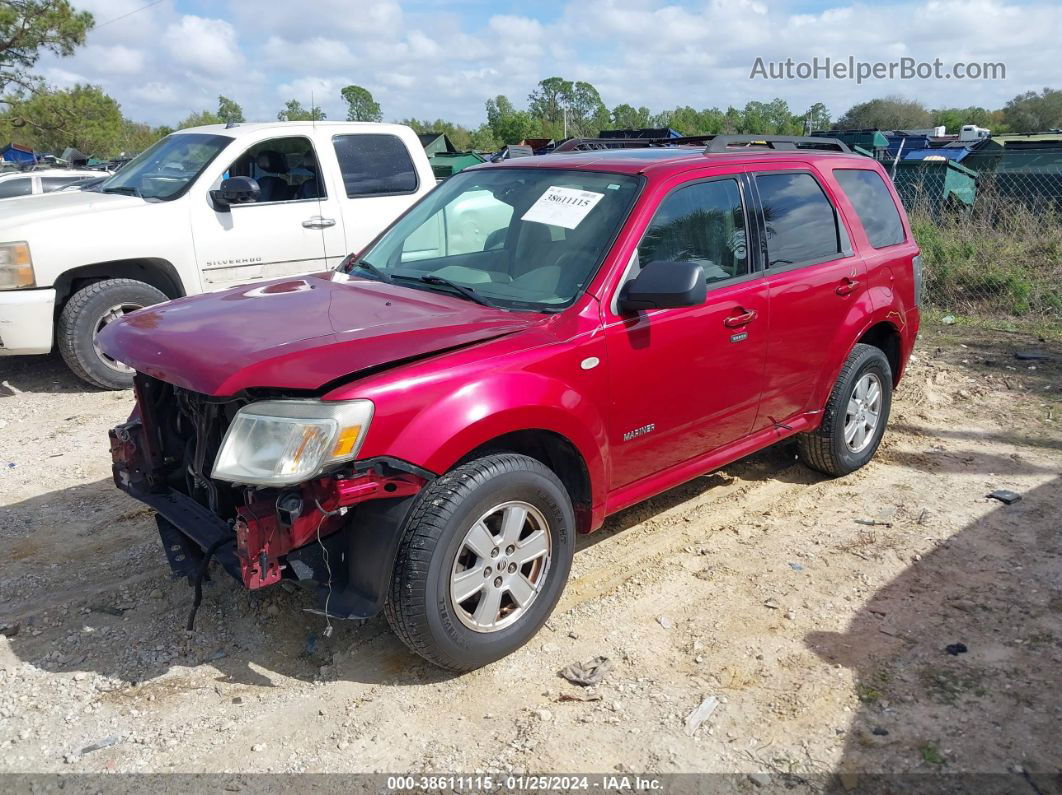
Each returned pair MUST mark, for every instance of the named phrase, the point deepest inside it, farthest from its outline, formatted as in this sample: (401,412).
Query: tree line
(85,117)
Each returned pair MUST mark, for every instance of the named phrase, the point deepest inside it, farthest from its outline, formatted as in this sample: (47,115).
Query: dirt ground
(818,612)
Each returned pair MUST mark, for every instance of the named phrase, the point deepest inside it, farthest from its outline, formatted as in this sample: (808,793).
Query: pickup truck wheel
(855,416)
(84,316)
(485,554)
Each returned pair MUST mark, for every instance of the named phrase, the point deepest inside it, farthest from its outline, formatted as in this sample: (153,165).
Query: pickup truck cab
(425,433)
(203,209)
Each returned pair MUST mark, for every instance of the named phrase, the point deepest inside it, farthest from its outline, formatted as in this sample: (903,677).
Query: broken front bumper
(338,532)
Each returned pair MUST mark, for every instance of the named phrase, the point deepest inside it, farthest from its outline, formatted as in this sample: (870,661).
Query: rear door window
(374,165)
(800,221)
(873,204)
(703,223)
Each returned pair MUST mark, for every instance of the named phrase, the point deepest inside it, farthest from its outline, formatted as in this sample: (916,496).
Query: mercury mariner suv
(533,346)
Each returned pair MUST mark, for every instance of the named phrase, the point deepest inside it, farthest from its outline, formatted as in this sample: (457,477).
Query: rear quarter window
(374,165)
(873,204)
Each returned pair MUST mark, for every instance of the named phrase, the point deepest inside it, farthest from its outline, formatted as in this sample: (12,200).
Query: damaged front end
(337,531)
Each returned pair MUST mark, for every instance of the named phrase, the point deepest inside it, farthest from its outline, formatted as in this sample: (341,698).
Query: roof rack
(713,144)
(597,144)
(723,143)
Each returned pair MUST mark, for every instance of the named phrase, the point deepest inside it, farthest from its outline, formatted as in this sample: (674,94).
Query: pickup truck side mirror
(235,190)
(665,285)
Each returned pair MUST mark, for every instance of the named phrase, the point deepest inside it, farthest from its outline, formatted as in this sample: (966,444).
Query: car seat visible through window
(274,188)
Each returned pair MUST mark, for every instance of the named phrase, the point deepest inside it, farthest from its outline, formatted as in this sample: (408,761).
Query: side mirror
(665,285)
(236,190)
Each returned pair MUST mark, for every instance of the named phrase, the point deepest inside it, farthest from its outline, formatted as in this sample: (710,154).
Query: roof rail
(597,144)
(713,144)
(723,143)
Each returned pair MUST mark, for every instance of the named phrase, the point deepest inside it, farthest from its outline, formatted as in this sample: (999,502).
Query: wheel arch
(518,411)
(886,337)
(159,273)
(879,331)
(555,451)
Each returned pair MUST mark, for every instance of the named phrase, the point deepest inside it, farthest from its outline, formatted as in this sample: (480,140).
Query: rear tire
(855,416)
(498,521)
(87,311)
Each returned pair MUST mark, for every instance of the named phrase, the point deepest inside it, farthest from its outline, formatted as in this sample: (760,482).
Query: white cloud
(116,59)
(156,93)
(430,60)
(64,78)
(312,54)
(357,18)
(206,46)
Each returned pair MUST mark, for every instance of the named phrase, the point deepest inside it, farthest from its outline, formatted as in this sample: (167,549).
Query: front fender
(444,430)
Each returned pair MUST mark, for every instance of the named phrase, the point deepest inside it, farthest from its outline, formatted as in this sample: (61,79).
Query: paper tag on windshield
(565,207)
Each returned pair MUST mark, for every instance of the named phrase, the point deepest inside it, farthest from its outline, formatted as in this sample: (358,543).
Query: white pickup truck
(202,209)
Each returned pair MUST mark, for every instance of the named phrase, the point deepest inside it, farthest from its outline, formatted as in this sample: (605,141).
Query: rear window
(374,165)
(873,204)
(801,224)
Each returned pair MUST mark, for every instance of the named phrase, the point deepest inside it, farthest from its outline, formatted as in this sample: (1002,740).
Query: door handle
(847,286)
(318,222)
(746,317)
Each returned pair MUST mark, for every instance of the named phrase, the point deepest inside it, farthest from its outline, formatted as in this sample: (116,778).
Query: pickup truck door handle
(746,317)
(847,286)
(318,222)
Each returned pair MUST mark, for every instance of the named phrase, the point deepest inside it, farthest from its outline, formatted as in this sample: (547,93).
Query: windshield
(518,238)
(166,169)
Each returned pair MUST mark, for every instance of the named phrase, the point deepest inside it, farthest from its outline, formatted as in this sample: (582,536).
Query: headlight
(281,442)
(16,266)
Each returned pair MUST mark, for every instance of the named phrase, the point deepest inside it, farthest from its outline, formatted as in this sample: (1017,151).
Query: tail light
(916,266)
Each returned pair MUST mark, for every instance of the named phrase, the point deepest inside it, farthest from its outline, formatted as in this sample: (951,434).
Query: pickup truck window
(22,186)
(168,168)
(873,204)
(479,230)
(801,224)
(374,164)
(702,223)
(284,168)
(49,184)
(473,221)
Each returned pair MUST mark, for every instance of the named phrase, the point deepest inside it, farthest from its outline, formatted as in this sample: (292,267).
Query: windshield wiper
(128,190)
(365,265)
(460,289)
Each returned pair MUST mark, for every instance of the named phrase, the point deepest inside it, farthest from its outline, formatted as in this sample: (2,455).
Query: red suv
(533,346)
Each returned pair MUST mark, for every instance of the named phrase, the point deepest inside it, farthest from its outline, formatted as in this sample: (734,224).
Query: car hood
(61,204)
(299,333)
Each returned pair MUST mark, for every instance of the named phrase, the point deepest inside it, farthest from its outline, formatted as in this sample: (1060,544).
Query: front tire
(86,313)
(855,416)
(485,554)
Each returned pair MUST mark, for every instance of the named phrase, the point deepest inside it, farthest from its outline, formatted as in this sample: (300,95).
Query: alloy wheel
(863,413)
(500,567)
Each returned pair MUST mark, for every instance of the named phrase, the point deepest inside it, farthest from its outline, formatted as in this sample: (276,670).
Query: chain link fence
(991,236)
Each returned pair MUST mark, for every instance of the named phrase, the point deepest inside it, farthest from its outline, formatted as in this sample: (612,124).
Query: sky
(165,59)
